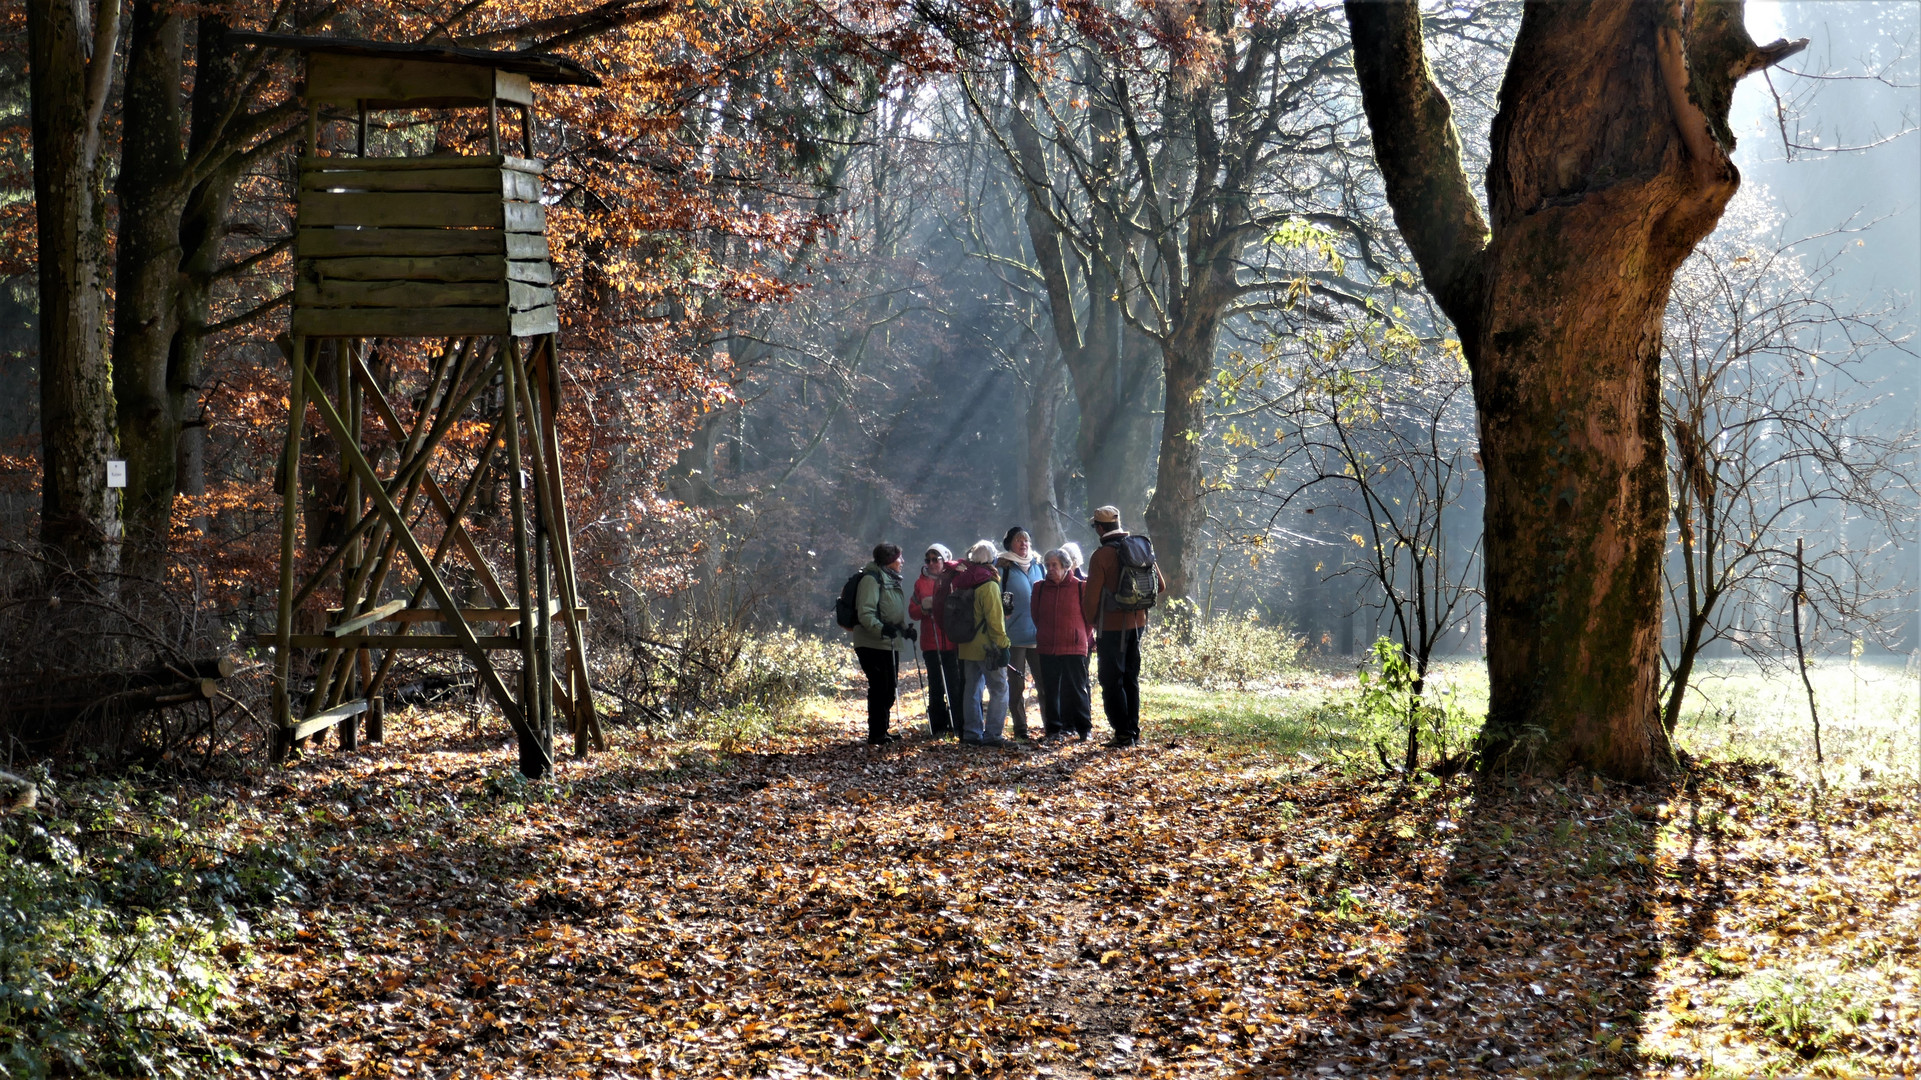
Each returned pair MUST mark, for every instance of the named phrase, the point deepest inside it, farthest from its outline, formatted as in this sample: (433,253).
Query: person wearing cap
(943,663)
(983,659)
(1119,632)
(1020,568)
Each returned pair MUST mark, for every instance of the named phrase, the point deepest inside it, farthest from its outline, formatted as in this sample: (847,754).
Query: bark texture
(146,313)
(71,50)
(1609,163)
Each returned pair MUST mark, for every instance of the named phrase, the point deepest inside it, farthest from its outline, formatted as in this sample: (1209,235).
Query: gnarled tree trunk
(1610,162)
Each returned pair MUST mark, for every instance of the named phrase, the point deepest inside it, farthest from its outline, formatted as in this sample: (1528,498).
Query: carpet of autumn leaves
(1179,909)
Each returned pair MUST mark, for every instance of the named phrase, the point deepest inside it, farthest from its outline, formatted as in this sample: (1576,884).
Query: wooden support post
(542,625)
(535,400)
(583,697)
(289,527)
(523,570)
(377,719)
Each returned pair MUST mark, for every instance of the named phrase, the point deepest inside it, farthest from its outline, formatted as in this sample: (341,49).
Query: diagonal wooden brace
(355,460)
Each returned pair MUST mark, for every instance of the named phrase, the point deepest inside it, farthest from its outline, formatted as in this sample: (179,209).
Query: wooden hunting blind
(449,247)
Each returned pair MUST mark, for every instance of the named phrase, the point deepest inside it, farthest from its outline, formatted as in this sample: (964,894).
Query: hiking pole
(922,672)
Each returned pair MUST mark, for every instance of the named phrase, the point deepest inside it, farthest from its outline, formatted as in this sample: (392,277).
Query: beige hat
(1108,517)
(983,551)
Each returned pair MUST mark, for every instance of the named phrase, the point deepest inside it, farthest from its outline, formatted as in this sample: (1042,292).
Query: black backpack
(1136,585)
(846,609)
(957,616)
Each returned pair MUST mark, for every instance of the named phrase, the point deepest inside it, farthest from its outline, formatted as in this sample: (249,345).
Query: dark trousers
(943,690)
(1065,703)
(1121,682)
(882,681)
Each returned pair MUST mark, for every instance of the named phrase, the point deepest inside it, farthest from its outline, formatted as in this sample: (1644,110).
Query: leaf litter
(1179,909)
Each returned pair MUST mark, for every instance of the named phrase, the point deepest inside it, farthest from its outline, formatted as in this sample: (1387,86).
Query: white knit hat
(983,551)
(946,555)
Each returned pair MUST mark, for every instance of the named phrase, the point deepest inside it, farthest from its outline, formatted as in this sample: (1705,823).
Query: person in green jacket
(984,658)
(881,607)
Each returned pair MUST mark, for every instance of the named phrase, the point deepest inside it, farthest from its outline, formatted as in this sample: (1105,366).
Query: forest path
(826,909)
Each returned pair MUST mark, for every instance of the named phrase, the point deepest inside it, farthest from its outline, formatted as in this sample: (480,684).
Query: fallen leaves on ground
(1173,910)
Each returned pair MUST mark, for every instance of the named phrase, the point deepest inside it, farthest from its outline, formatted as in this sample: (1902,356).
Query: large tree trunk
(1179,509)
(152,198)
(70,73)
(1037,473)
(1114,384)
(1610,162)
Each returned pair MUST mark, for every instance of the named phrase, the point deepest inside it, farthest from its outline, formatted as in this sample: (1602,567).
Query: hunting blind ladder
(438,261)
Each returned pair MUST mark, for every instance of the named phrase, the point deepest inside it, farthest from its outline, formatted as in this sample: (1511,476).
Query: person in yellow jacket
(984,657)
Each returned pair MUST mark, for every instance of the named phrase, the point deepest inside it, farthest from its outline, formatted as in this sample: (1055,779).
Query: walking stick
(922,672)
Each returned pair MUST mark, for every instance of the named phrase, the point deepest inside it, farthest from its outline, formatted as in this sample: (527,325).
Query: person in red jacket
(1119,630)
(1064,637)
(943,662)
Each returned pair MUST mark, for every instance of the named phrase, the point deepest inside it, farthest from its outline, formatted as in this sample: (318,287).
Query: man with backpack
(1122,584)
(874,609)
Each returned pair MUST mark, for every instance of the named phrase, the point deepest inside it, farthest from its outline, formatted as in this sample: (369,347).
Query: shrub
(116,914)
(719,679)
(778,670)
(1219,653)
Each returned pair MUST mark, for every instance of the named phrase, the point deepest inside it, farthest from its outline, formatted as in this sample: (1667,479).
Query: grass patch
(1737,710)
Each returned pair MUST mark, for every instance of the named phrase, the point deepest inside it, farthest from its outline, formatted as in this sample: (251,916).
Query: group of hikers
(1004,618)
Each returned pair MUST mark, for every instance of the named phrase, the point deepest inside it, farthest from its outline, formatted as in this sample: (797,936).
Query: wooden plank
(505,183)
(347,79)
(436,161)
(336,242)
(441,268)
(321,721)
(524,297)
(427,615)
(537,321)
(523,217)
(513,86)
(404,294)
(528,246)
(402,322)
(408,210)
(537,273)
(393,641)
(365,619)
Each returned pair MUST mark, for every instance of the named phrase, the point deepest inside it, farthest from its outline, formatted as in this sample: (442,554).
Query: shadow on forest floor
(1183,908)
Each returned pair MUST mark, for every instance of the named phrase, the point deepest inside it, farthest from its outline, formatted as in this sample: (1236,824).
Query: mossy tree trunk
(1610,161)
(71,49)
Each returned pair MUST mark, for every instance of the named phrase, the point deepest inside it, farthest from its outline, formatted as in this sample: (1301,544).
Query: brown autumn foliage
(678,187)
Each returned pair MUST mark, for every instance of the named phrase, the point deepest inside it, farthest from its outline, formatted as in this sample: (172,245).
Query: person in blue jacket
(1020,569)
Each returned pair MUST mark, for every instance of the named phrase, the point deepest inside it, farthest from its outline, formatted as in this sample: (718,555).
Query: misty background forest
(1523,402)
